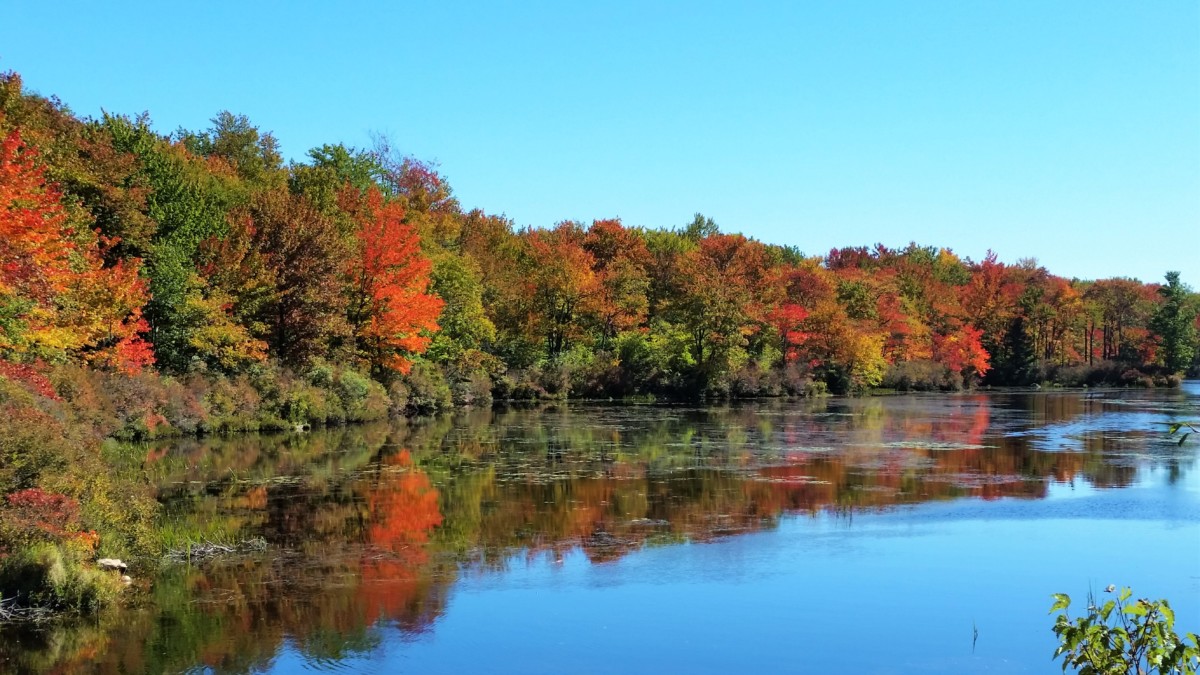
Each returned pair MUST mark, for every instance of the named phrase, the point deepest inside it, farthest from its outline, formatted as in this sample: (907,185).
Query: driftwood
(205,550)
(11,611)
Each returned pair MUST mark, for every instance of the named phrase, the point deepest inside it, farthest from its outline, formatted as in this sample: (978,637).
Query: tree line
(203,252)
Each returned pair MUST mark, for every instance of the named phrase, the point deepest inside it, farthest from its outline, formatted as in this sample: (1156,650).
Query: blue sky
(1064,131)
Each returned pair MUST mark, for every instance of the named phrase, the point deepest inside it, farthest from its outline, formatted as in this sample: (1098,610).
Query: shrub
(32,377)
(554,378)
(816,388)
(599,376)
(521,385)
(1120,636)
(1104,373)
(753,381)
(182,408)
(269,380)
(33,516)
(63,497)
(306,404)
(233,404)
(362,398)
(921,375)
(397,398)
(131,406)
(656,362)
(472,389)
(55,576)
(796,380)
(31,440)
(428,391)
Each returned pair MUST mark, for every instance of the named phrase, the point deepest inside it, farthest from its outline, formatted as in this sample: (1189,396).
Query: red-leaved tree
(57,298)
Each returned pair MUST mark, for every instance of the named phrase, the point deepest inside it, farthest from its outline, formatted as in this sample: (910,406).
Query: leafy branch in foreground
(1123,637)
(1189,428)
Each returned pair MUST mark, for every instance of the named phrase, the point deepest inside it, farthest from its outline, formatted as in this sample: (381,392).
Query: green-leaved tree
(1175,324)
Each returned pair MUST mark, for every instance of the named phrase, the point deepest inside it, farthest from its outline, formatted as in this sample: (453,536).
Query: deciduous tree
(391,313)
(1175,324)
(57,298)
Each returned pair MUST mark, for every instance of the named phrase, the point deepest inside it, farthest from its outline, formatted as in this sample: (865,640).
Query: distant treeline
(201,254)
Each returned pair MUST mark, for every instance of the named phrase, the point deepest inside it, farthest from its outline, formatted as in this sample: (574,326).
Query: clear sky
(1064,131)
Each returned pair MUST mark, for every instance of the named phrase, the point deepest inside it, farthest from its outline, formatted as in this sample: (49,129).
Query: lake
(905,534)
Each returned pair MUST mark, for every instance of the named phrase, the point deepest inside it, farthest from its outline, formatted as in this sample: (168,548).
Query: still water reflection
(865,535)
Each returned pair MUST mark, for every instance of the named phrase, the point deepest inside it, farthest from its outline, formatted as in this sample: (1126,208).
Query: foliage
(231,263)
(59,577)
(63,502)
(464,324)
(57,297)
(427,389)
(391,312)
(187,199)
(1188,428)
(283,261)
(232,138)
(921,375)
(1175,324)
(155,285)
(1120,636)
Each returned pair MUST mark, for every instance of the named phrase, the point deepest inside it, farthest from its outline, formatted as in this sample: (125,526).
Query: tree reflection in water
(371,527)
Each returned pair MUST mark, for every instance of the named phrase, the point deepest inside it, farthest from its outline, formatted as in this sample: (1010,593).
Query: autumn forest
(194,282)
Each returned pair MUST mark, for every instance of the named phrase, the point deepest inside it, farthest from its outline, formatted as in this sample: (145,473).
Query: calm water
(843,535)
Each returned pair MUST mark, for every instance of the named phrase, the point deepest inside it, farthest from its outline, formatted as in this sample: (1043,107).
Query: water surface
(908,534)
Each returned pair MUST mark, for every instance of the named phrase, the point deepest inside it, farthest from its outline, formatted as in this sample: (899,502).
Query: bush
(599,376)
(753,381)
(428,391)
(55,576)
(521,385)
(472,389)
(306,404)
(362,398)
(233,404)
(554,378)
(61,492)
(32,441)
(34,516)
(55,484)
(397,398)
(921,375)
(182,408)
(1123,637)
(1102,374)
(816,389)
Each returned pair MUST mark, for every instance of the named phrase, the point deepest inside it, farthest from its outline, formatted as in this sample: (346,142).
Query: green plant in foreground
(1188,429)
(1123,637)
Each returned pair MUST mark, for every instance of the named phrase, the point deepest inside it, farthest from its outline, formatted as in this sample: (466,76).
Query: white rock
(111,564)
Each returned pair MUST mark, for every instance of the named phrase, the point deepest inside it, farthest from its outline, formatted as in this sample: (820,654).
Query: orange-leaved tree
(391,311)
(620,259)
(560,284)
(57,298)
